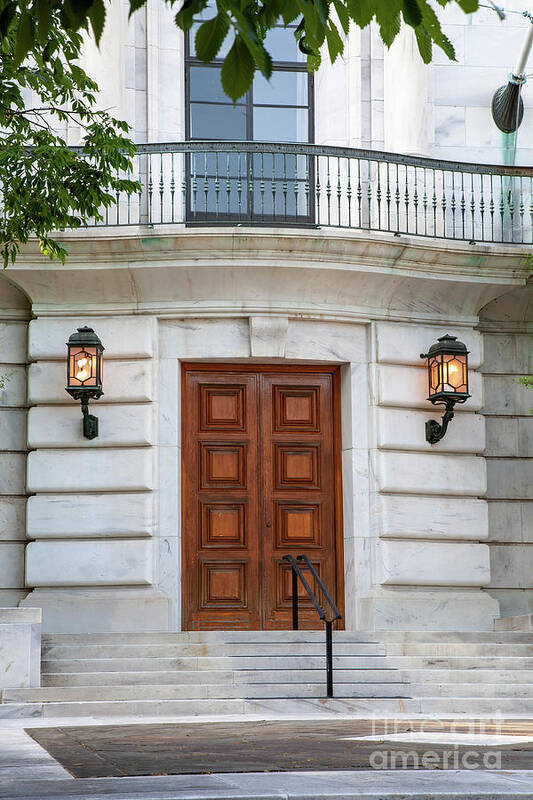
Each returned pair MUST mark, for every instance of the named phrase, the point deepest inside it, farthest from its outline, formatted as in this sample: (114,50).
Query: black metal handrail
(319,186)
(328,618)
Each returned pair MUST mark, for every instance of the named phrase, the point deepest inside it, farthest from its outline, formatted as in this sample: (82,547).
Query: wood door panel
(259,482)
(220,501)
(298,460)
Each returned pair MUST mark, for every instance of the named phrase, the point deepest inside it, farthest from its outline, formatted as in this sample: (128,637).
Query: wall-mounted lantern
(448,381)
(84,374)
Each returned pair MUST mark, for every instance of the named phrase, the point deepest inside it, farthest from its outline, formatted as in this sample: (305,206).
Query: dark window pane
(221,164)
(282,45)
(281,199)
(283,88)
(205,84)
(229,197)
(281,165)
(218,122)
(226,45)
(280,124)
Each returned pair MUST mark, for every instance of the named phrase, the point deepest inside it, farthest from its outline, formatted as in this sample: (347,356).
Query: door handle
(268,524)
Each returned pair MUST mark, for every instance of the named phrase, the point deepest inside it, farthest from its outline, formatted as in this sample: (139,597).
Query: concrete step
(471,649)
(477,675)
(195,637)
(182,677)
(207,663)
(455,636)
(219,691)
(460,662)
(467,690)
(213,650)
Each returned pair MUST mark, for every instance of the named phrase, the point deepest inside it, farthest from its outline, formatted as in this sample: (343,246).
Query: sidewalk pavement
(27,772)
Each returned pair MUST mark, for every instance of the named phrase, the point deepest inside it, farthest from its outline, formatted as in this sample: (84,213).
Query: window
(259,186)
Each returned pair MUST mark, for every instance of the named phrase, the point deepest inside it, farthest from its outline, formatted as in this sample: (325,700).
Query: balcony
(312,186)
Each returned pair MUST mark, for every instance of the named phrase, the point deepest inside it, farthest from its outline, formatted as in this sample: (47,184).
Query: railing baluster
(445,200)
(349,192)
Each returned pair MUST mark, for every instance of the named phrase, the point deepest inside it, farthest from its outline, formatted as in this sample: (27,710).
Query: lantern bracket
(90,422)
(435,431)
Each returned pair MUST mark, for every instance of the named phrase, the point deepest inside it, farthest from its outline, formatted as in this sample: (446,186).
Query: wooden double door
(261,479)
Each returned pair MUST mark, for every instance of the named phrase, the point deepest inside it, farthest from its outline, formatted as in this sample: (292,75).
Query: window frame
(208,217)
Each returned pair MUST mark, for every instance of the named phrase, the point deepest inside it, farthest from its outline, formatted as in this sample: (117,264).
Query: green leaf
(411,13)
(289,11)
(97,18)
(135,5)
(210,36)
(7,16)
(468,6)
(238,70)
(361,11)
(335,43)
(425,44)
(342,13)
(185,16)
(389,29)
(25,37)
(43,15)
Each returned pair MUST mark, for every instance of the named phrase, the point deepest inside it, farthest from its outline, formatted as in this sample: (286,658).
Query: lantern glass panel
(84,367)
(435,376)
(455,373)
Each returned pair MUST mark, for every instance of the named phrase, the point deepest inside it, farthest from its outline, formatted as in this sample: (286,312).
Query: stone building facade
(434,537)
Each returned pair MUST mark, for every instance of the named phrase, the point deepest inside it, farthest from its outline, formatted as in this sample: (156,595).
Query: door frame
(334,371)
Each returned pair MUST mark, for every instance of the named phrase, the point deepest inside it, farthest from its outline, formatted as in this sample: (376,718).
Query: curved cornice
(174,270)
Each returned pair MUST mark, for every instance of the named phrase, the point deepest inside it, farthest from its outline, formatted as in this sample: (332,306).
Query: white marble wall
(509,453)
(105,515)
(13,357)
(429,517)
(91,514)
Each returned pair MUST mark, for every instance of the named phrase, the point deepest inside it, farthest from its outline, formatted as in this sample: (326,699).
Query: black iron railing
(261,183)
(328,617)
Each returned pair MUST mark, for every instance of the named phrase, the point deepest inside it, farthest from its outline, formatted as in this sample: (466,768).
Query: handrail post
(329,658)
(294,600)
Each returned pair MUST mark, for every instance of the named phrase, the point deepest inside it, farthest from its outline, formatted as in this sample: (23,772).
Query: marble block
(505,396)
(510,478)
(12,519)
(405,429)
(118,425)
(508,353)
(14,392)
(13,429)
(103,470)
(204,338)
(11,565)
(429,610)
(407,387)
(94,515)
(510,522)
(13,342)
(20,647)
(89,563)
(268,336)
(409,517)
(124,381)
(429,473)
(312,340)
(101,610)
(403,344)
(12,473)
(420,563)
(511,566)
(122,337)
